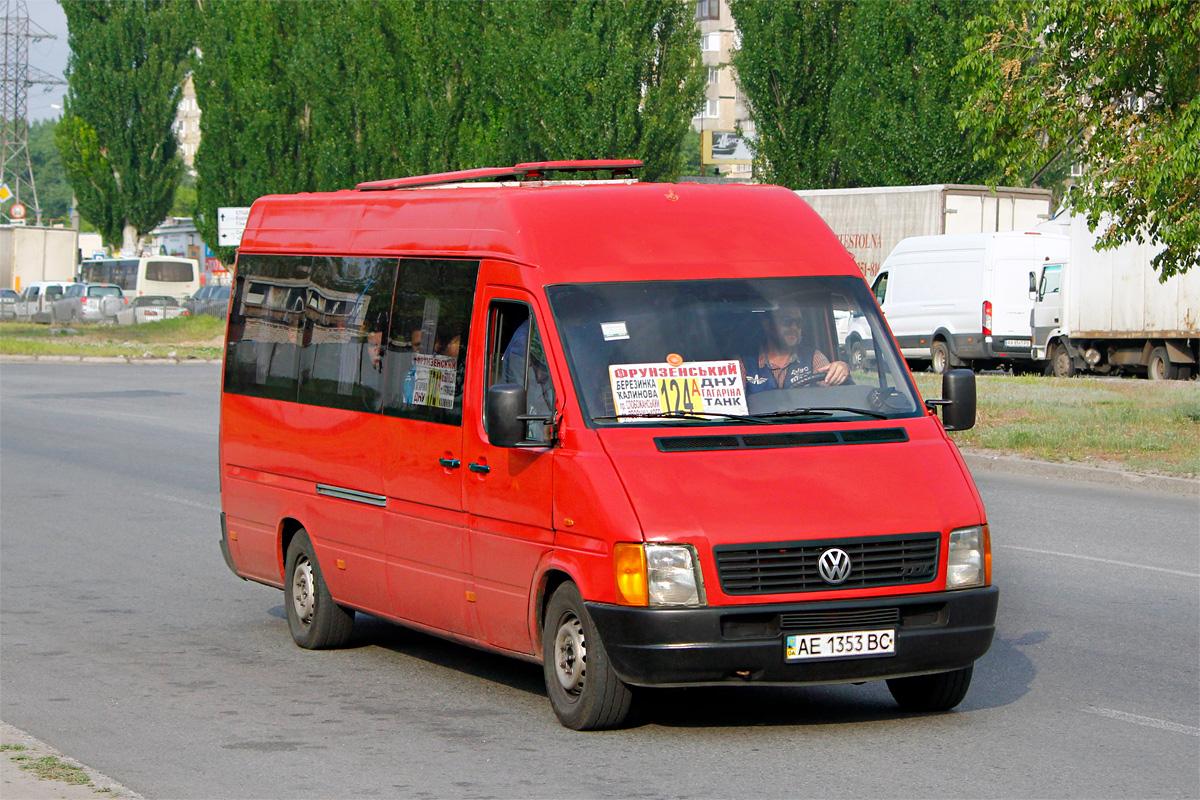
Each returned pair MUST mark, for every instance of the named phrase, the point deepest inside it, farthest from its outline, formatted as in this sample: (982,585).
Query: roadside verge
(33,770)
(983,461)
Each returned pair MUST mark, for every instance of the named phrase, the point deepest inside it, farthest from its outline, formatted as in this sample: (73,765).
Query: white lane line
(1100,560)
(181,501)
(1149,722)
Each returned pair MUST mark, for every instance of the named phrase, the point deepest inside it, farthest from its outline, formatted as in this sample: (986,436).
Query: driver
(784,360)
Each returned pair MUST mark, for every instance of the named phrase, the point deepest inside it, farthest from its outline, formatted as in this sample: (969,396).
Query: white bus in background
(149,275)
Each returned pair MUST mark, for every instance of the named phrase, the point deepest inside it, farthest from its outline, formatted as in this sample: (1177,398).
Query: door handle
(450,463)
(482,469)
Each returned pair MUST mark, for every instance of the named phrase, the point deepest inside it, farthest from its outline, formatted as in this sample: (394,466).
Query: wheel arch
(288,528)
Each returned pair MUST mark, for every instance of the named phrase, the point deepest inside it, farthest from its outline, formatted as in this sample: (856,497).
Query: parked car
(8,304)
(37,300)
(150,308)
(212,300)
(89,302)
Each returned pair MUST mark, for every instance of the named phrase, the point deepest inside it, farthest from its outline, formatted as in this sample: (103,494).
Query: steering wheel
(808,380)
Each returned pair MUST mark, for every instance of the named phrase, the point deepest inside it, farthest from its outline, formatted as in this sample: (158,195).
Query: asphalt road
(126,643)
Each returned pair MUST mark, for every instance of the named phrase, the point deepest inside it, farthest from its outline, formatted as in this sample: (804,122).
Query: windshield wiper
(697,415)
(821,411)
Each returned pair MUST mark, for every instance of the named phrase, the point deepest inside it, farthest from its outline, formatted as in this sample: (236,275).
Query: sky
(48,55)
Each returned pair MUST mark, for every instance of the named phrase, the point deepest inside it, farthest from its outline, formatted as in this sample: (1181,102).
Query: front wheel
(584,691)
(939,692)
(1061,363)
(316,622)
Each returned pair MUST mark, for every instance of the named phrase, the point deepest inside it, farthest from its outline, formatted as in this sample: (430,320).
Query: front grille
(839,620)
(784,567)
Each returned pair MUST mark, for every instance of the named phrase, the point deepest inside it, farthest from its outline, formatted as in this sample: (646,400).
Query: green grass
(183,337)
(1140,425)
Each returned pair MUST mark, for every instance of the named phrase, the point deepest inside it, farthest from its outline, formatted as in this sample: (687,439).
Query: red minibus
(608,426)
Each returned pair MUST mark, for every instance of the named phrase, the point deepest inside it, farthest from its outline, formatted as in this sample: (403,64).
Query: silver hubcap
(570,650)
(303,596)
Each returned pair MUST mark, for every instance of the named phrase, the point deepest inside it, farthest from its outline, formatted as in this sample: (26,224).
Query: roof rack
(533,170)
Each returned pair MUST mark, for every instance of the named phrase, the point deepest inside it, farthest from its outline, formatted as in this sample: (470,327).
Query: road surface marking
(1100,560)
(1149,722)
(181,501)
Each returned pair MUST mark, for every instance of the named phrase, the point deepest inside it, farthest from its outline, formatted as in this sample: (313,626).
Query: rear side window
(53,291)
(262,356)
(74,291)
(169,271)
(32,292)
(426,353)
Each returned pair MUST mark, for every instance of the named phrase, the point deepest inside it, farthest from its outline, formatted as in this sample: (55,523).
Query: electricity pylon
(16,170)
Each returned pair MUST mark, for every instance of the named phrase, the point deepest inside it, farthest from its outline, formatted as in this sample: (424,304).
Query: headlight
(659,575)
(969,559)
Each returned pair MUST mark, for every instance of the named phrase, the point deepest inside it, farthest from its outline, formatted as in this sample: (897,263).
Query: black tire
(584,692)
(1160,367)
(858,356)
(940,354)
(1061,363)
(938,692)
(316,622)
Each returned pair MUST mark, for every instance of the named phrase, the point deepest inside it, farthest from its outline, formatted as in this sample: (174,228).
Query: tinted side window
(345,316)
(262,356)
(426,351)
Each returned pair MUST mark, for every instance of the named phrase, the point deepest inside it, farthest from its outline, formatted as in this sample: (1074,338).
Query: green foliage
(847,94)
(1114,86)
(896,97)
(54,193)
(300,96)
(788,65)
(128,58)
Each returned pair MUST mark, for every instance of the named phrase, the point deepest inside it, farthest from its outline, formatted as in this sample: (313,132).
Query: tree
(1113,86)
(788,64)
(54,193)
(300,96)
(616,79)
(128,58)
(897,94)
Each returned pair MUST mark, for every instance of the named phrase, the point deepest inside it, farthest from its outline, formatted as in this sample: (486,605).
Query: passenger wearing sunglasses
(785,362)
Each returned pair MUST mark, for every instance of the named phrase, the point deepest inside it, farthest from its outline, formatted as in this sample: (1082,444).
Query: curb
(979,461)
(132,360)
(16,782)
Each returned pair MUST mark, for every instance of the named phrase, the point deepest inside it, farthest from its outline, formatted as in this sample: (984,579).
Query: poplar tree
(119,150)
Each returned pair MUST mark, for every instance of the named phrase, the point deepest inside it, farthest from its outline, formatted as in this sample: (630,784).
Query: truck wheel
(1160,367)
(1061,363)
(584,692)
(316,622)
(940,692)
(941,356)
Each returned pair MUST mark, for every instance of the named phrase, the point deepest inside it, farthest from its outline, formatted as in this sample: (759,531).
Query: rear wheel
(939,692)
(940,353)
(584,691)
(1160,367)
(316,622)
(858,356)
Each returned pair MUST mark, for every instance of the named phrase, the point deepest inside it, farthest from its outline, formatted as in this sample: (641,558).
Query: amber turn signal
(629,560)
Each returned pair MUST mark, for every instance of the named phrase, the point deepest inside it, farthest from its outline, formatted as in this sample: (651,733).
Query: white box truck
(29,254)
(870,222)
(964,301)
(1107,312)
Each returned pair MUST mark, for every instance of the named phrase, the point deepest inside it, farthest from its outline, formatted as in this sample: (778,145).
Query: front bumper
(732,644)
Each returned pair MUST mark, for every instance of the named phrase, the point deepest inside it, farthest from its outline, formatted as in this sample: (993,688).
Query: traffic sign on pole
(231,223)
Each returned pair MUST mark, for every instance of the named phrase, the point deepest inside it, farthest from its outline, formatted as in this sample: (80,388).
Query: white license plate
(805,646)
(1017,343)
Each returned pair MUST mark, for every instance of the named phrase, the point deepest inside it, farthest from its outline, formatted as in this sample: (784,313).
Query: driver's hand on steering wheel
(836,372)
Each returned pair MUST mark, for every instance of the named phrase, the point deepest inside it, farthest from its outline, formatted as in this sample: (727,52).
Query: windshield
(726,351)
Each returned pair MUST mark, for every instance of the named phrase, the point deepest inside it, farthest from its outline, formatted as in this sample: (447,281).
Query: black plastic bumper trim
(685,647)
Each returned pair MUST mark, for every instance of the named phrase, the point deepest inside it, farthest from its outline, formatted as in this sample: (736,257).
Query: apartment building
(725,106)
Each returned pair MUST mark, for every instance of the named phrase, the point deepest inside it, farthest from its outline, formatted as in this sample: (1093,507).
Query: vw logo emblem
(834,566)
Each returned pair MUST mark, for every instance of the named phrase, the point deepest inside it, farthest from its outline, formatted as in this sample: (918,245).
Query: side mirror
(505,405)
(958,399)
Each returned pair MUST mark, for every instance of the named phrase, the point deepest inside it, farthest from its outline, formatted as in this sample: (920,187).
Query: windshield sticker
(690,388)
(614,331)
(431,381)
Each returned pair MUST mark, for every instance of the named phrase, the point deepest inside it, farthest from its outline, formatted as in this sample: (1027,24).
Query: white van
(964,300)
